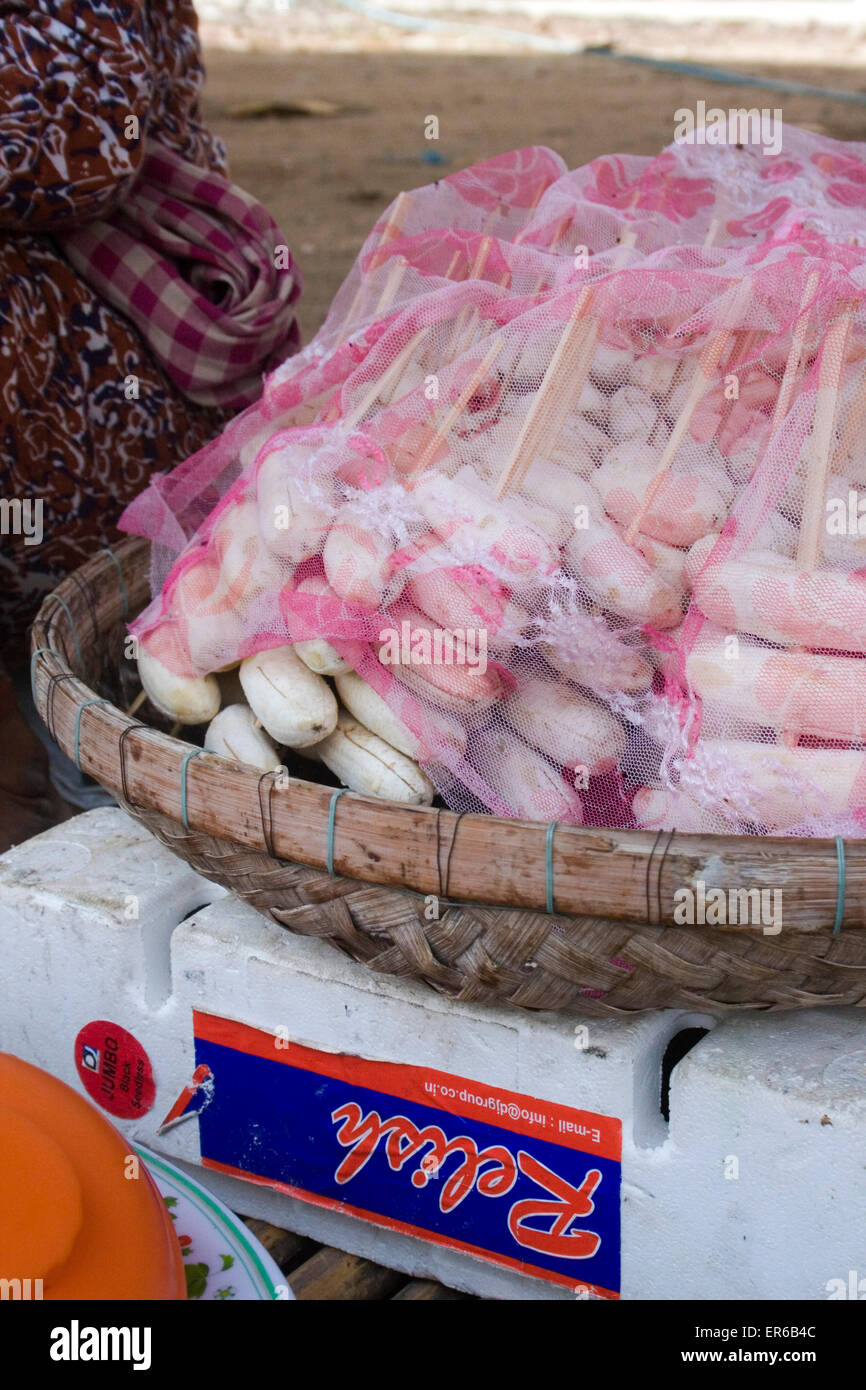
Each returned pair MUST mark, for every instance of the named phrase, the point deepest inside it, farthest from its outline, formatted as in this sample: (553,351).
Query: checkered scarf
(202,270)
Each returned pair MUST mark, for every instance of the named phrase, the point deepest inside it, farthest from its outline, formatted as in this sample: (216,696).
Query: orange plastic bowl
(78,1209)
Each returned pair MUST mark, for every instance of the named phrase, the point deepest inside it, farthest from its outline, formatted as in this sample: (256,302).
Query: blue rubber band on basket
(548,863)
(840,884)
(81,709)
(65,606)
(193,753)
(40,651)
(332,811)
(120,579)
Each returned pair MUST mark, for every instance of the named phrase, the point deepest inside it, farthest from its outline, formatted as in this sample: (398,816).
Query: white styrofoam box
(237,964)
(694,1224)
(769,1113)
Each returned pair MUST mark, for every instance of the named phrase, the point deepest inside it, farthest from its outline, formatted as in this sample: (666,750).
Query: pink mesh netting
(605,429)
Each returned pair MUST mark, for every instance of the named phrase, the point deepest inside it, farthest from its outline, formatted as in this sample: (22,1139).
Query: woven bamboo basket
(570,918)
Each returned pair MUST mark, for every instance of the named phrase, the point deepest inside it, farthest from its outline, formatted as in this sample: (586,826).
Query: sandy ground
(326,179)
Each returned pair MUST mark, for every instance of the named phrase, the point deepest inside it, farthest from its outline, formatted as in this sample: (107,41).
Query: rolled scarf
(202,270)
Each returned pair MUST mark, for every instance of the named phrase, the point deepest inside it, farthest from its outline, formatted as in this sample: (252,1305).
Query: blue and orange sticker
(528,1184)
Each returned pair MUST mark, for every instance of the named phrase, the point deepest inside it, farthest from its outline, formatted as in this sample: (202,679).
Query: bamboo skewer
(458,407)
(790,737)
(137,703)
(561,228)
(392,286)
(712,231)
(829,378)
(795,357)
(855,421)
(809,548)
(467,319)
(558,383)
(383,389)
(541,285)
(392,375)
(744,339)
(561,386)
(385,382)
(392,228)
(518,239)
(833,359)
(708,361)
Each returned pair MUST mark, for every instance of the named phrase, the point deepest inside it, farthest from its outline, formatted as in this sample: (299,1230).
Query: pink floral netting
(610,424)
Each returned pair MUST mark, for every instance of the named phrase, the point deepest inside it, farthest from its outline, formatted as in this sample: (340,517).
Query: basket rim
(577,870)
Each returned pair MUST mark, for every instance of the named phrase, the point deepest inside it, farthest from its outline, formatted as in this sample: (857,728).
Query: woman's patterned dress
(74,435)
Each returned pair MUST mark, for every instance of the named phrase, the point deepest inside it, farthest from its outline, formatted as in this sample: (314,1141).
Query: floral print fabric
(86,415)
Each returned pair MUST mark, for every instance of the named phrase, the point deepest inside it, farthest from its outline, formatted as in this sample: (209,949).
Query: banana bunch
(279,700)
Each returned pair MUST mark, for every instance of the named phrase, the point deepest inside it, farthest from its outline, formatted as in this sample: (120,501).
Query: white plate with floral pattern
(222,1258)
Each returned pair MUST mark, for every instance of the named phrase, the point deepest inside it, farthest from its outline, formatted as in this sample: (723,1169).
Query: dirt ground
(326,179)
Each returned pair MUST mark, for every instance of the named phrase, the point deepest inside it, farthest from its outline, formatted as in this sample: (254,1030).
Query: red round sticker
(115,1070)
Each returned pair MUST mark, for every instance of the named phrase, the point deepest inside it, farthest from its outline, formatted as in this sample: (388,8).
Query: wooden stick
(795,357)
(386,382)
(137,702)
(392,285)
(562,373)
(855,420)
(826,403)
(458,407)
(742,348)
(712,231)
(561,228)
(467,319)
(518,239)
(561,385)
(742,339)
(709,360)
(392,228)
(392,375)
(540,286)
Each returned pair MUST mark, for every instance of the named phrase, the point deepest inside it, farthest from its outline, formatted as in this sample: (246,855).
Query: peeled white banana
(367,705)
(294,508)
(321,657)
(370,709)
(186,699)
(567,727)
(359,563)
(296,706)
(317,652)
(366,763)
(529,785)
(455,512)
(233,734)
